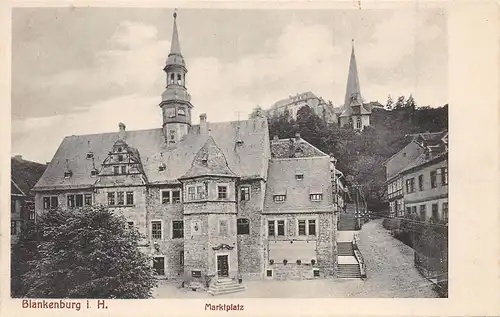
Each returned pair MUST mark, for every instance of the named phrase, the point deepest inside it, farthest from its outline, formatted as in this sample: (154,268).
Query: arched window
(172,78)
(358,123)
(350,123)
(179,79)
(243,226)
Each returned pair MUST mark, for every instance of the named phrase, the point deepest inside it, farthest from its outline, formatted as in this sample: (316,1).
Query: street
(390,272)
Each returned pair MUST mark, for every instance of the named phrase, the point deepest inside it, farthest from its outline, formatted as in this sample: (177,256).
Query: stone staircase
(347,222)
(348,271)
(345,249)
(225,286)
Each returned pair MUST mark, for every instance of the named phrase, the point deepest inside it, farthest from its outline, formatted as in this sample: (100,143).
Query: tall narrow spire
(175,56)
(353,91)
(175,47)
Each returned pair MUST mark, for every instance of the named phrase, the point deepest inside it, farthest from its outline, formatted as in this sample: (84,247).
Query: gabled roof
(429,137)
(281,180)
(282,148)
(248,160)
(24,175)
(209,161)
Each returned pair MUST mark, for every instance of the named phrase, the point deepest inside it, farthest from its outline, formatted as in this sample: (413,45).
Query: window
(130,198)
(279,198)
(130,224)
(445,211)
(223,228)
(176,196)
(116,170)
(410,185)
(88,199)
(316,197)
(423,212)
(270,228)
(111,199)
(312,227)
(433,179)
(299,177)
(90,155)
(435,212)
(243,226)
(93,173)
(71,201)
(222,192)
(200,192)
(179,79)
(13,228)
(68,174)
(120,158)
(358,123)
(245,193)
(120,197)
(165,197)
(159,265)
(172,78)
(269,273)
(302,227)
(191,193)
(181,112)
(177,229)
(156,230)
(408,210)
(124,169)
(316,273)
(79,200)
(444,176)
(181,258)
(421,182)
(281,227)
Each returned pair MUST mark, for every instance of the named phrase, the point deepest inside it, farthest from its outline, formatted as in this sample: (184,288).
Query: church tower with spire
(354,115)
(175,101)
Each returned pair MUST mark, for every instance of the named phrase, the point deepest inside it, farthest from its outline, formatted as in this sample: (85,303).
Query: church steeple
(353,91)
(176,101)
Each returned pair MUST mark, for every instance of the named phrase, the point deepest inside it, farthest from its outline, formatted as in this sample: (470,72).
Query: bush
(85,253)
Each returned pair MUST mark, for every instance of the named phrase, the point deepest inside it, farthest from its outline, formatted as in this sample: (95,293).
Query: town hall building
(213,200)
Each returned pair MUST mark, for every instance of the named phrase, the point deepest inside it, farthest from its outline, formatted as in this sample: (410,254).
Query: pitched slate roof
(424,159)
(209,161)
(281,180)
(248,160)
(24,175)
(282,148)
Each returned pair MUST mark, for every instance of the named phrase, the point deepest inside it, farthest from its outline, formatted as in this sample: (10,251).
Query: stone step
(226,286)
(226,290)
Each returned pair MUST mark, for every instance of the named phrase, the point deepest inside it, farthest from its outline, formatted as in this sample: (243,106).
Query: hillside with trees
(362,155)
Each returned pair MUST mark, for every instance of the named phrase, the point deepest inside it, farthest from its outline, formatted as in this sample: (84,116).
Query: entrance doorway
(222,265)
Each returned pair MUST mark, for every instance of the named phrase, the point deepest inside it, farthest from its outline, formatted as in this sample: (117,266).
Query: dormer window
(119,150)
(93,173)
(90,155)
(316,197)
(68,174)
(279,198)
(299,176)
(162,167)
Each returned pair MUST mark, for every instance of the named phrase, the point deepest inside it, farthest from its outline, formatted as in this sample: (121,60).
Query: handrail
(358,255)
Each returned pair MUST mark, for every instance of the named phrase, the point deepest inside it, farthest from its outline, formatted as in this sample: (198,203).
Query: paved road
(389,266)
(390,270)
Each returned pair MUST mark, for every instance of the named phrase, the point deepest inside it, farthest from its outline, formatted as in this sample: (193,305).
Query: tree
(257,112)
(389,103)
(86,253)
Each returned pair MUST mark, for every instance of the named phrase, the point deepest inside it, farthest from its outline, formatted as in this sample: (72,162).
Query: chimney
(203,124)
(291,149)
(18,157)
(297,137)
(121,128)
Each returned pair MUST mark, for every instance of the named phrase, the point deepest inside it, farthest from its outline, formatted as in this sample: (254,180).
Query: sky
(84,70)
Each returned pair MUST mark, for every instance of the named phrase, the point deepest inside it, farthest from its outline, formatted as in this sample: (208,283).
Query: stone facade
(203,198)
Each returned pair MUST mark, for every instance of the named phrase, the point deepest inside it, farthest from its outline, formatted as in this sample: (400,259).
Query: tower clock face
(170,113)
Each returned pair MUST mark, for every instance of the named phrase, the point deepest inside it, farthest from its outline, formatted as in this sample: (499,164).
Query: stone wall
(292,271)
(250,246)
